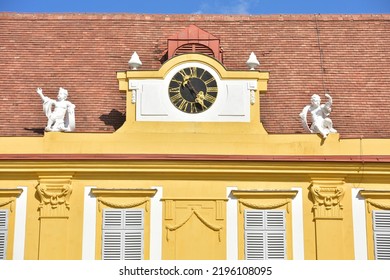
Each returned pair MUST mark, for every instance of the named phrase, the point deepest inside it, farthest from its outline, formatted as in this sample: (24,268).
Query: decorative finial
(252,61)
(134,61)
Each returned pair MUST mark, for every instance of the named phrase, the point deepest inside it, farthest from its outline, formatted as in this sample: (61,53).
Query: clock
(193,90)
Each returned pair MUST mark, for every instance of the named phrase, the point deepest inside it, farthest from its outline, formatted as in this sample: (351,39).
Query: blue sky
(199,6)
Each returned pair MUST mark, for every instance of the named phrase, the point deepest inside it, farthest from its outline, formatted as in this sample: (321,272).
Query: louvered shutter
(122,234)
(133,236)
(254,245)
(112,234)
(194,48)
(3,233)
(265,236)
(275,234)
(381,224)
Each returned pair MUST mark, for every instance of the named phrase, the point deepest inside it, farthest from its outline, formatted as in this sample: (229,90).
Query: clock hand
(199,99)
(187,83)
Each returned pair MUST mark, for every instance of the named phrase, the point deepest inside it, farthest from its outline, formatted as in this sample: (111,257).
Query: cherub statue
(62,118)
(319,116)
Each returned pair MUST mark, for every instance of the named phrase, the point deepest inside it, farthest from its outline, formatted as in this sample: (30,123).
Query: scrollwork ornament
(54,196)
(327,201)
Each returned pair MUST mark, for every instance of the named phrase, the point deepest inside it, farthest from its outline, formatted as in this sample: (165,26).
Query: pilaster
(54,193)
(327,196)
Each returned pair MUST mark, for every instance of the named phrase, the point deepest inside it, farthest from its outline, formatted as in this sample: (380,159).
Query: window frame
(123,198)
(265,199)
(375,200)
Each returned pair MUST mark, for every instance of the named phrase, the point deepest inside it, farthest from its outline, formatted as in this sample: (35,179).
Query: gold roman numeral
(212,89)
(201,75)
(193,108)
(209,80)
(183,73)
(174,90)
(177,81)
(175,97)
(194,72)
(209,98)
(183,105)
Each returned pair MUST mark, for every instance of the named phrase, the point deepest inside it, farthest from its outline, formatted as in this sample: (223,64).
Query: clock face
(193,90)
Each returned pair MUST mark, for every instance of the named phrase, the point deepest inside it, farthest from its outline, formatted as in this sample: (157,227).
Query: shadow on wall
(115,119)
(39,131)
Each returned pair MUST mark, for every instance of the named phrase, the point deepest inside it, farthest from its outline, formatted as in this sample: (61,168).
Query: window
(265,234)
(123,234)
(3,233)
(381,226)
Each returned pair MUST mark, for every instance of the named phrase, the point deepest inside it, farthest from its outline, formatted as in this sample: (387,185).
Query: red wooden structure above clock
(194,40)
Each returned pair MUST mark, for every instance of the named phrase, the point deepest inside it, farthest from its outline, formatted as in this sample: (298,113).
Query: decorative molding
(109,192)
(54,194)
(194,199)
(265,205)
(283,197)
(264,193)
(169,207)
(133,96)
(103,193)
(203,220)
(376,198)
(219,206)
(9,196)
(252,97)
(327,196)
(125,204)
(220,213)
(377,203)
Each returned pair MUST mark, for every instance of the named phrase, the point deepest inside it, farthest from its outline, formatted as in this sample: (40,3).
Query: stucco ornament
(62,117)
(320,123)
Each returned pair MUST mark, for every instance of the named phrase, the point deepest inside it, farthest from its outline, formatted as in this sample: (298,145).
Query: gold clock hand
(199,99)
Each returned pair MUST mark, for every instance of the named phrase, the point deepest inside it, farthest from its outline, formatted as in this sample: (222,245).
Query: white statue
(62,118)
(319,116)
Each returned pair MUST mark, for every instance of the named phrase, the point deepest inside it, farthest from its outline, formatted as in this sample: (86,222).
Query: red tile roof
(349,55)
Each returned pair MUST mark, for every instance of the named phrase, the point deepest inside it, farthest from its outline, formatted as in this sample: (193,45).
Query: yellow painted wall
(192,184)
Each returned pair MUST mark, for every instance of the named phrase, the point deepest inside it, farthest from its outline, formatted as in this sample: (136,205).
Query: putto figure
(62,117)
(320,123)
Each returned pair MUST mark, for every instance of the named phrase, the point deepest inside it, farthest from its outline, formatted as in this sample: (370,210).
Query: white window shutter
(265,234)
(381,224)
(3,233)
(112,219)
(112,245)
(254,219)
(133,245)
(134,219)
(254,245)
(133,236)
(276,245)
(275,220)
(123,234)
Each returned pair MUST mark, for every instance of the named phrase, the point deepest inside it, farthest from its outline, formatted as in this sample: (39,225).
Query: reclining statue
(62,117)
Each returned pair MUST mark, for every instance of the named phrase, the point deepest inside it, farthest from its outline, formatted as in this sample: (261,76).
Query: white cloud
(226,7)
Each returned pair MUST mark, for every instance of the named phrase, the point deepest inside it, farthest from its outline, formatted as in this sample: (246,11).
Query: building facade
(187,153)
